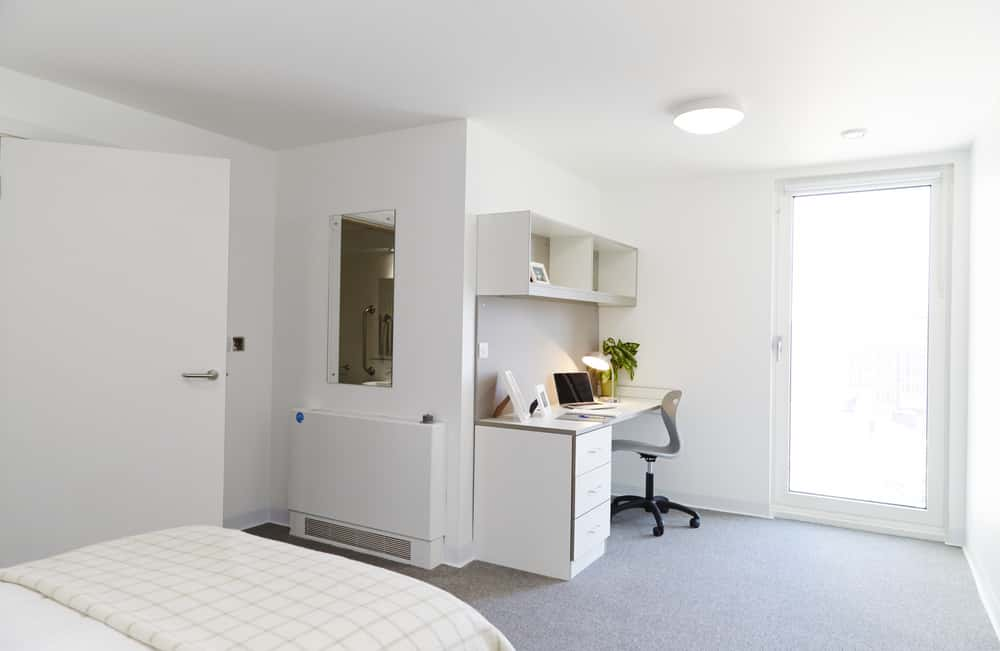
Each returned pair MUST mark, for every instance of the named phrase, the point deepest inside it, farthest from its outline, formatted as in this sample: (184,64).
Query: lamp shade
(597,361)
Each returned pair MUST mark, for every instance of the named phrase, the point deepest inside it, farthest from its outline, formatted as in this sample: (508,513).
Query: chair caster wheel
(694,523)
(657,531)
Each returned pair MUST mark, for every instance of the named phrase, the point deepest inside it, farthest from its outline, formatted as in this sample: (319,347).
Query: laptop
(574,391)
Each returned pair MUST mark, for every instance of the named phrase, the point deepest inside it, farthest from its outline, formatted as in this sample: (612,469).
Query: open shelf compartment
(581,265)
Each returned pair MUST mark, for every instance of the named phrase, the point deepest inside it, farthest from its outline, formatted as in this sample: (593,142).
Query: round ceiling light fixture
(708,115)
(853,134)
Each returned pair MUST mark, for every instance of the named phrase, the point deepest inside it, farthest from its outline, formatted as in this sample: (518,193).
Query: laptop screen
(573,387)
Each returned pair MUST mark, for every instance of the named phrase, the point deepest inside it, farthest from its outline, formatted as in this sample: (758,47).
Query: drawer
(591,529)
(591,489)
(592,450)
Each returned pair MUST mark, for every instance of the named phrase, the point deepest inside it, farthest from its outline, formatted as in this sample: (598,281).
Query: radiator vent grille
(375,542)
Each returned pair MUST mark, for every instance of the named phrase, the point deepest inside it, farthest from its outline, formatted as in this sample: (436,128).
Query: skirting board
(987,592)
(890,527)
(955,537)
(458,556)
(247,520)
(708,503)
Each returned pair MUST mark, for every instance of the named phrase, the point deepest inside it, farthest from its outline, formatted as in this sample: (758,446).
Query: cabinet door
(523,503)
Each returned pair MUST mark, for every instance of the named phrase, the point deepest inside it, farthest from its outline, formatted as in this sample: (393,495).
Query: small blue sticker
(299,417)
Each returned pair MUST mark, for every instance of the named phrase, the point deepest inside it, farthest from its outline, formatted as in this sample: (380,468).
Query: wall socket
(484,350)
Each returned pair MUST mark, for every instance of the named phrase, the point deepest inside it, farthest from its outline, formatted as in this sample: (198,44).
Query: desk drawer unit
(591,489)
(591,529)
(592,450)
(542,498)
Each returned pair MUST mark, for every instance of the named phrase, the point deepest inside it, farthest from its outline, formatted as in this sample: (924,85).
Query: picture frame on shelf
(538,273)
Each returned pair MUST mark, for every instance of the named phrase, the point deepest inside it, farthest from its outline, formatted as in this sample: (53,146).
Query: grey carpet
(735,583)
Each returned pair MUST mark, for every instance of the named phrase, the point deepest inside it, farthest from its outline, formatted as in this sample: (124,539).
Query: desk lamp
(595,361)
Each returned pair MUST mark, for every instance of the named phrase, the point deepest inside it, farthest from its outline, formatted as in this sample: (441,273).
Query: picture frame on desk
(544,404)
(517,400)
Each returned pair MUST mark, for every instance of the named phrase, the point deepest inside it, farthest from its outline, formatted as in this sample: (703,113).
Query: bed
(195,588)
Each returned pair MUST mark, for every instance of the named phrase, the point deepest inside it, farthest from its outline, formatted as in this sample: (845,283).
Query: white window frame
(929,523)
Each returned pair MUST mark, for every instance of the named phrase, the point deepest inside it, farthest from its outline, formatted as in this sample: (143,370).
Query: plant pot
(607,384)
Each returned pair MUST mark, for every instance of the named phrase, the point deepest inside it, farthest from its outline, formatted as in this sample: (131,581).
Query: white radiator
(368,483)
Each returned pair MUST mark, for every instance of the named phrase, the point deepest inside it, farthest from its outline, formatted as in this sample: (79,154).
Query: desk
(543,489)
(625,409)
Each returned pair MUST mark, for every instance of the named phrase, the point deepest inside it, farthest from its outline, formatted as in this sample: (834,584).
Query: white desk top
(624,410)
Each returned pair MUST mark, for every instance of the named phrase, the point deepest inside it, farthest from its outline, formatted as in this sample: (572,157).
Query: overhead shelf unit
(581,266)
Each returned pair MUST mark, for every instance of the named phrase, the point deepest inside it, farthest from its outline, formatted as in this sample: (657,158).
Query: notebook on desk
(574,391)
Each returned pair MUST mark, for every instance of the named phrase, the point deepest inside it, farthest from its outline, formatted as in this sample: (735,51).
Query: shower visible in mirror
(362,298)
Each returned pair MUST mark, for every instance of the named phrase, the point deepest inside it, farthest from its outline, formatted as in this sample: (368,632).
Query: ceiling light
(853,134)
(708,115)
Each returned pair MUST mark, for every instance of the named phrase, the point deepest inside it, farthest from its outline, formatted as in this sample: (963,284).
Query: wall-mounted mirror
(362,298)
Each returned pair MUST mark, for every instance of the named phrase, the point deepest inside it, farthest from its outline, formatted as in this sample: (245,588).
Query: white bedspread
(32,622)
(211,588)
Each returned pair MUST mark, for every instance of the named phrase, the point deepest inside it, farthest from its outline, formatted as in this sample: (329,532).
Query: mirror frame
(333,292)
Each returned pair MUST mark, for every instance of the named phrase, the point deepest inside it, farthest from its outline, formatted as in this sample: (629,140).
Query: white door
(113,282)
(861,391)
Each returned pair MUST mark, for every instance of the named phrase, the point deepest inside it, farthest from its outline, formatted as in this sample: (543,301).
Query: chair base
(655,504)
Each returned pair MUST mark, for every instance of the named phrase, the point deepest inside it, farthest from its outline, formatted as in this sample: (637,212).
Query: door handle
(210,374)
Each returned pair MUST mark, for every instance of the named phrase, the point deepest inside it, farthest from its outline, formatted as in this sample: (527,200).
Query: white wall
(504,176)
(983,536)
(39,109)
(703,320)
(420,173)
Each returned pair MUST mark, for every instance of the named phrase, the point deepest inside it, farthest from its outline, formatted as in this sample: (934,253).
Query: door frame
(929,523)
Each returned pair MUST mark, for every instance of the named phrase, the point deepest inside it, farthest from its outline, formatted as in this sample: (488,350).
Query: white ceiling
(585,83)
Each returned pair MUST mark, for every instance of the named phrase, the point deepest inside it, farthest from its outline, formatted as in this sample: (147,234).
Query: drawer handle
(593,531)
(593,450)
(595,490)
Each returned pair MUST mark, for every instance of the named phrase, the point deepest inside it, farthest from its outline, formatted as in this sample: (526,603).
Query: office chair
(655,504)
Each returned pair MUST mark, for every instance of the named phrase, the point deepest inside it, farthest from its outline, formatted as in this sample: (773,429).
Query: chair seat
(657,505)
(640,447)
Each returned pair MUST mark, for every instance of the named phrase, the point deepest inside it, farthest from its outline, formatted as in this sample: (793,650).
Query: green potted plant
(622,356)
